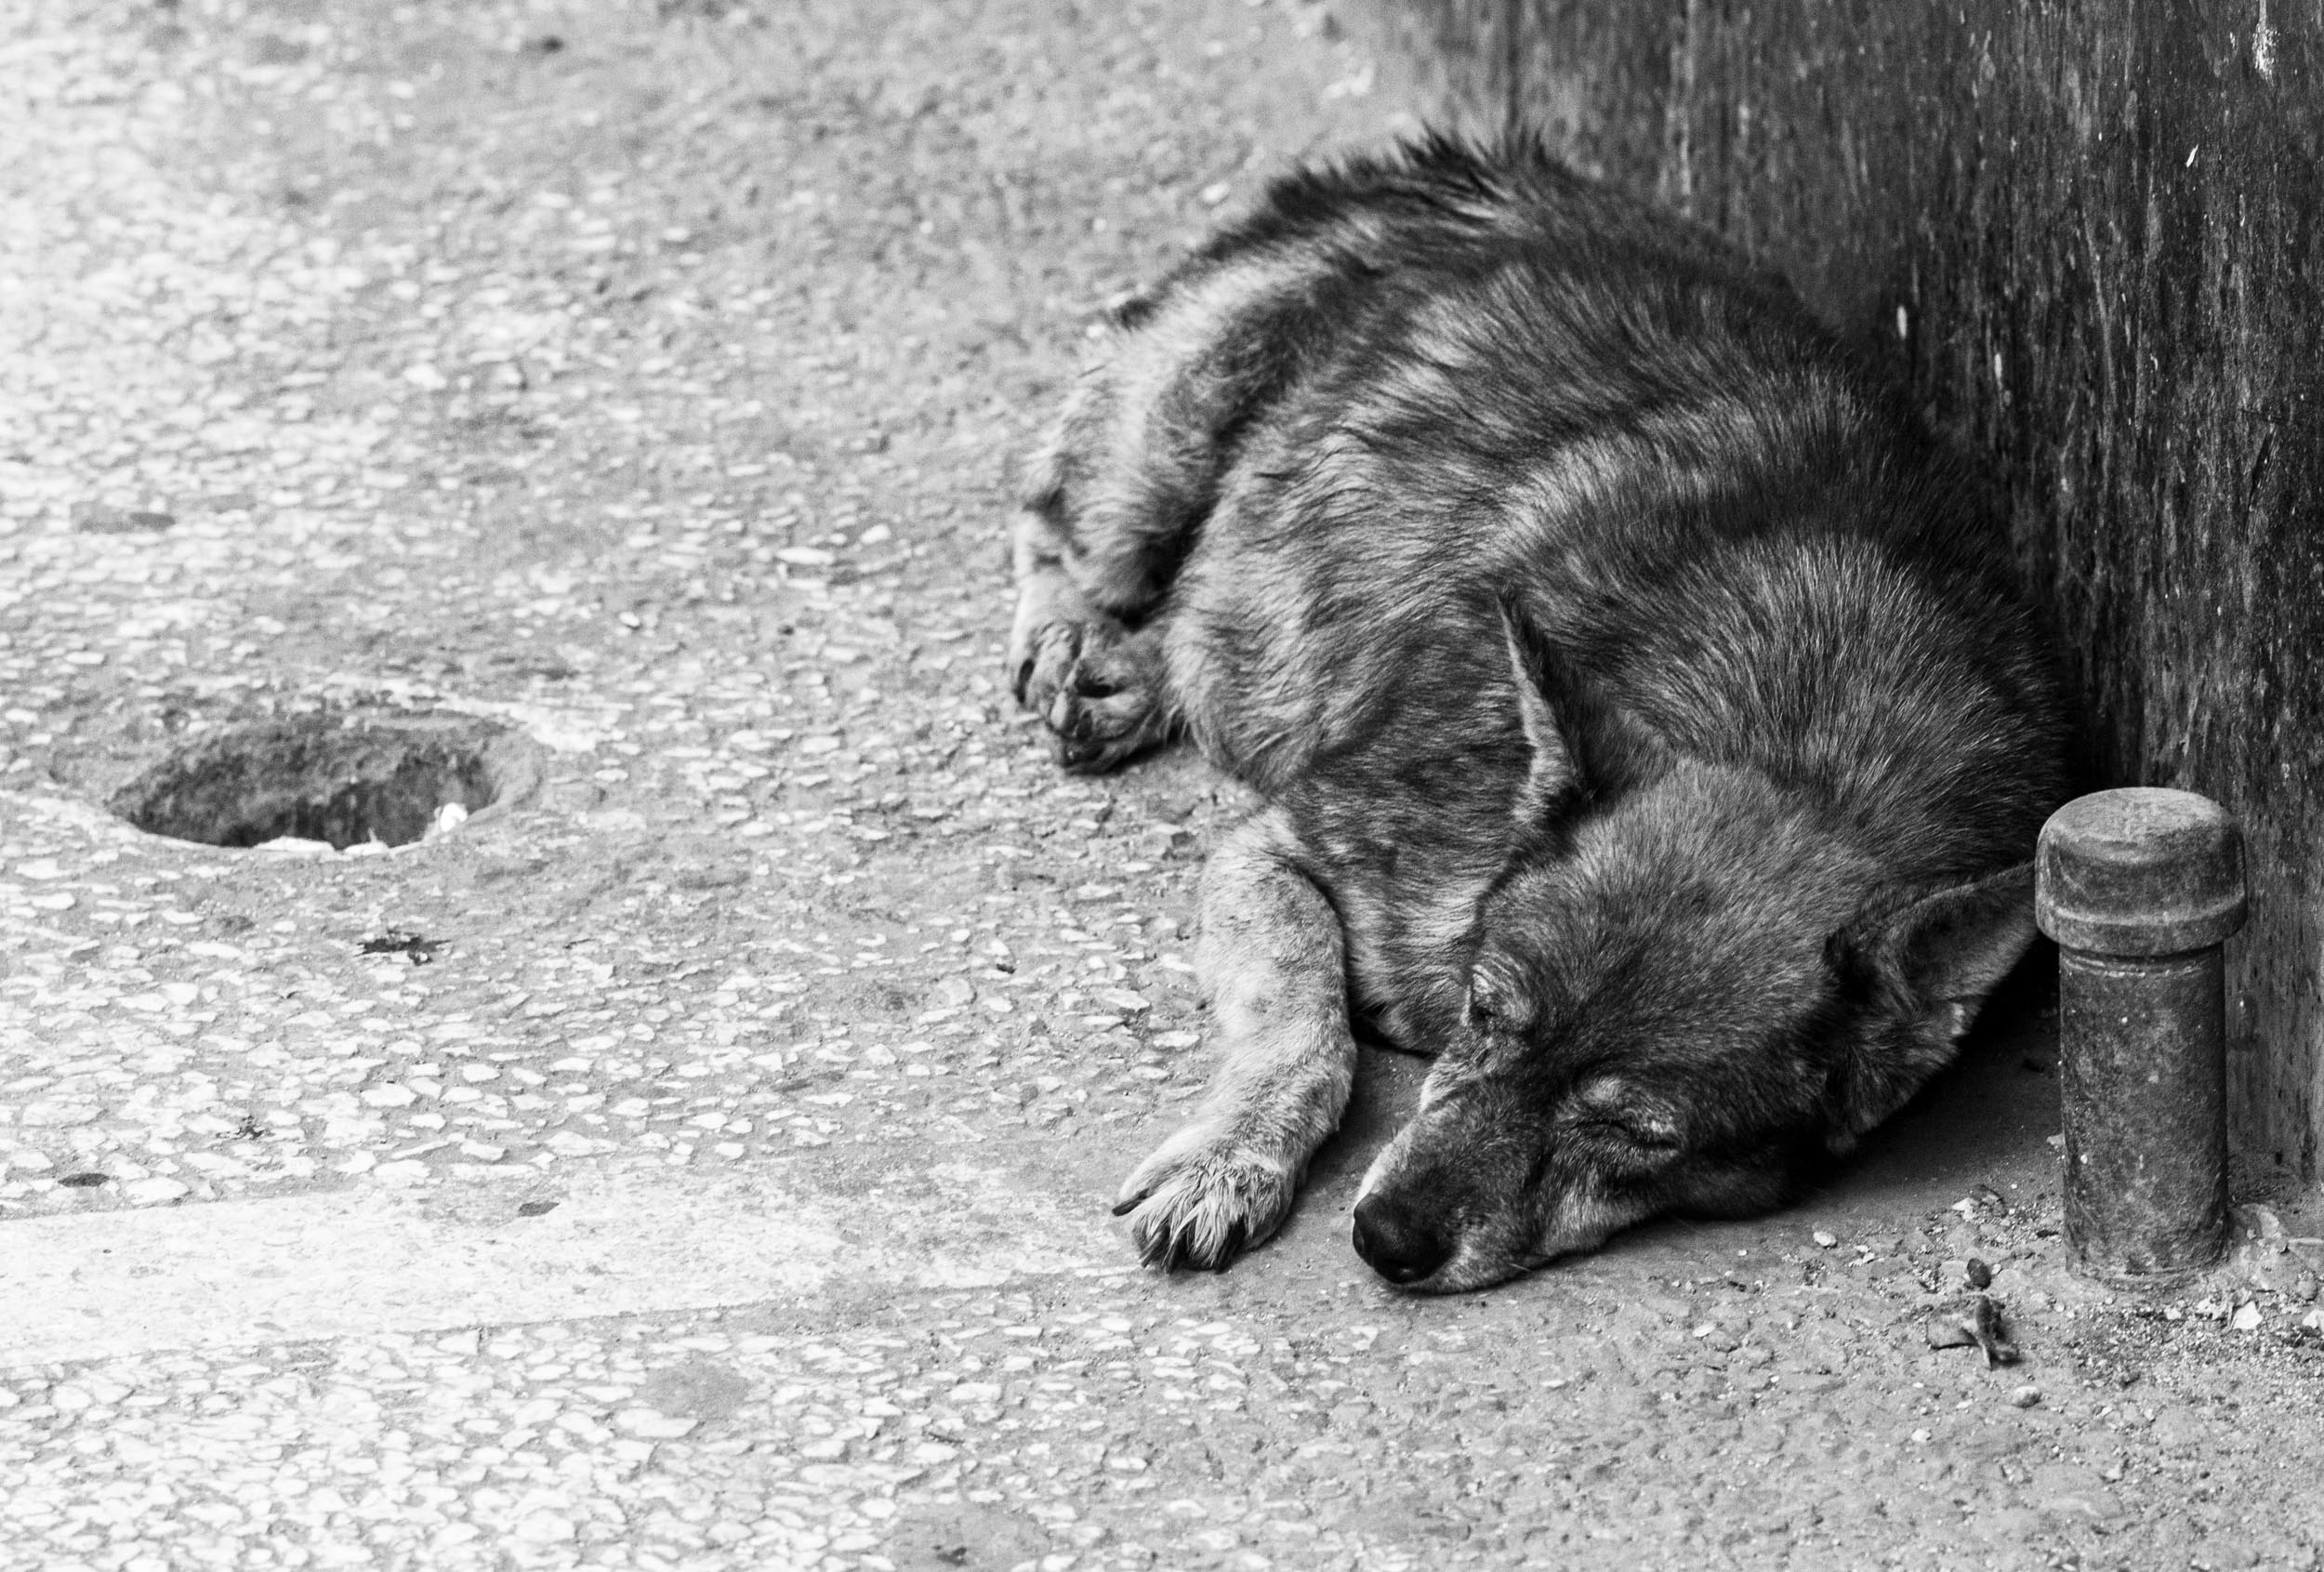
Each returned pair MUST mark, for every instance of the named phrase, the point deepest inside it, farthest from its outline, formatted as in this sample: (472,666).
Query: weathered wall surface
(2087,236)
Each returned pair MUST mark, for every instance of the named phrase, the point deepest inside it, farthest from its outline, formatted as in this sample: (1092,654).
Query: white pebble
(648,1424)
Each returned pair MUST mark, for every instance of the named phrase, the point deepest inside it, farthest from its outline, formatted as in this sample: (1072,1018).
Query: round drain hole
(347,781)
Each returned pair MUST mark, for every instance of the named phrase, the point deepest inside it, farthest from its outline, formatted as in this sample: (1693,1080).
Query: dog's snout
(1398,1246)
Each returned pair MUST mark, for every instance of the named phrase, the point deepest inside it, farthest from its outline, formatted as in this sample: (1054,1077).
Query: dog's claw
(1203,1200)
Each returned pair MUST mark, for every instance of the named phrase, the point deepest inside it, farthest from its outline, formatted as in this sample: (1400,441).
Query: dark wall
(2087,236)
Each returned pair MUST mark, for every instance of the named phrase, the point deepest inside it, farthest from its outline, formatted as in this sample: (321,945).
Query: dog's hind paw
(1203,1199)
(1098,687)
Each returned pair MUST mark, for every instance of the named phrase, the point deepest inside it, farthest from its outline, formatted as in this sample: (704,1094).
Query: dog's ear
(1583,752)
(1926,969)
(1554,778)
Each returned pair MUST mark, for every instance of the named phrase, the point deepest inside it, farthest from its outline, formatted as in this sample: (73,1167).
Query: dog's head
(1680,1001)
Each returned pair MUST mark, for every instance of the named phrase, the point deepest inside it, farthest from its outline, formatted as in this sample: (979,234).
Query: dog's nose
(1397,1247)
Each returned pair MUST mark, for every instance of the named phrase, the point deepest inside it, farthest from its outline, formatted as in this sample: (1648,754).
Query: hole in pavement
(342,779)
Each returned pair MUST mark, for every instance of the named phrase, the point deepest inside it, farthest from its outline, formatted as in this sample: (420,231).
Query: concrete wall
(2087,236)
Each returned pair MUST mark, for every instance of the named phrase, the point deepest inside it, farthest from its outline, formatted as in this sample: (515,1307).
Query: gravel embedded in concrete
(645,377)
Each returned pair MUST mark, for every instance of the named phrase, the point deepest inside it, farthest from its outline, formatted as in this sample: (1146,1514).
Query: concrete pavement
(698,1156)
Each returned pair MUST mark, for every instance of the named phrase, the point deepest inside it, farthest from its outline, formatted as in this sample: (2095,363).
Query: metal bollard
(2140,887)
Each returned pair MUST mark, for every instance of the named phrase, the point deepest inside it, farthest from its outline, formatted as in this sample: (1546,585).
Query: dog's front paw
(1097,687)
(1204,1198)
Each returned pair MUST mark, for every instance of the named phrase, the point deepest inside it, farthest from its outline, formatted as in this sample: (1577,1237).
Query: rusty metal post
(2140,887)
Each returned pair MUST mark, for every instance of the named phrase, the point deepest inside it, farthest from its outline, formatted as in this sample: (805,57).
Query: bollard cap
(2140,871)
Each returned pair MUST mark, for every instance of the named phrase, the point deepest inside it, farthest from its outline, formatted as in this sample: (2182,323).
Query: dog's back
(1532,390)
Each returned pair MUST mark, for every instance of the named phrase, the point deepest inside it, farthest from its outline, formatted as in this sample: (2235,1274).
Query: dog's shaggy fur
(1649,725)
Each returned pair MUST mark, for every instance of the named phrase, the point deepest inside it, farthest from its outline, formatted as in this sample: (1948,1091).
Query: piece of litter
(1825,1238)
(1972,1319)
(449,817)
(2247,1317)
(417,948)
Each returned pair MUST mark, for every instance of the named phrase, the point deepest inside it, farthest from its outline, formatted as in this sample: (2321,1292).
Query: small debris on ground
(1971,1319)
(396,941)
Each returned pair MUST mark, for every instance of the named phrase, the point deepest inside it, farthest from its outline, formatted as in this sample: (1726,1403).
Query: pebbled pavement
(703,1162)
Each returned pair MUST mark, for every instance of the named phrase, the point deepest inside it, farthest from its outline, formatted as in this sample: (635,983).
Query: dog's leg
(1273,958)
(1118,498)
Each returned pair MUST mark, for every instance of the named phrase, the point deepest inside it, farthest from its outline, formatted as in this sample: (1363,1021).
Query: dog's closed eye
(1611,1108)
